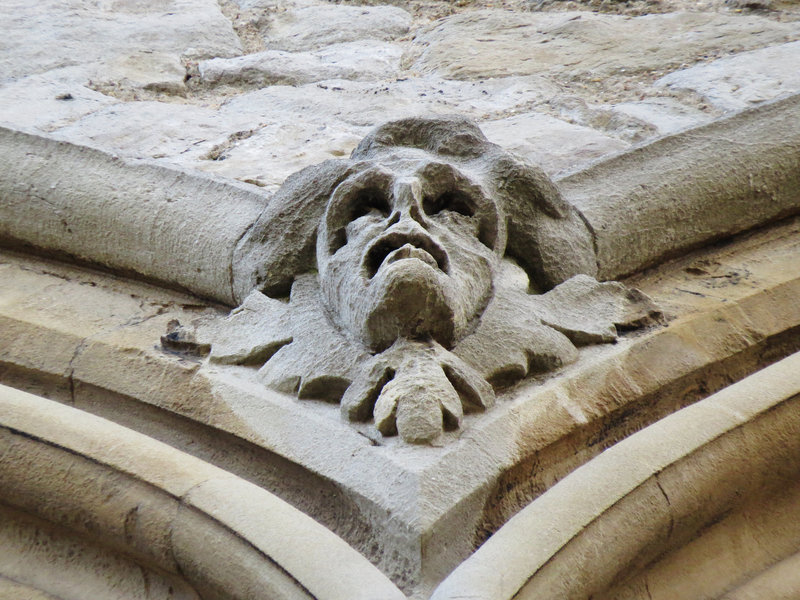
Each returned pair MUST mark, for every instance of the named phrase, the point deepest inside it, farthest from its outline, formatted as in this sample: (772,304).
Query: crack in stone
(85,342)
(669,507)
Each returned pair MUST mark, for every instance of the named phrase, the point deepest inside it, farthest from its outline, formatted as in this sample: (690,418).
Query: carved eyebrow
(440,170)
(442,177)
(373,178)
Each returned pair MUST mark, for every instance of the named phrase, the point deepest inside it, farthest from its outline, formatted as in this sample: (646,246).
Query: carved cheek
(473,263)
(346,264)
(460,235)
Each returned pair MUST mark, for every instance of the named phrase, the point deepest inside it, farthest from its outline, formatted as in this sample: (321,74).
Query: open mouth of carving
(397,246)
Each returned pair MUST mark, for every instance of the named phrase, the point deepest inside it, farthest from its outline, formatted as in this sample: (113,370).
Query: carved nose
(408,203)
(406,224)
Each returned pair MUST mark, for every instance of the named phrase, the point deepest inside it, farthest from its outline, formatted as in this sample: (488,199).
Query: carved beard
(408,300)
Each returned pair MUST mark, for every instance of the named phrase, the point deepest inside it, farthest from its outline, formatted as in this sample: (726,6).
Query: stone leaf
(510,341)
(590,312)
(251,334)
(320,361)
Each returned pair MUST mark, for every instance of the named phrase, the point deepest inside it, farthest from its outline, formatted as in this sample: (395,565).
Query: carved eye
(369,202)
(454,201)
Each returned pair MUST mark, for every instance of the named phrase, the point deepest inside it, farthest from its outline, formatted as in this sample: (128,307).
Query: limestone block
(665,115)
(498,43)
(28,346)
(365,60)
(780,580)
(282,145)
(739,81)
(53,34)
(366,104)
(304,125)
(49,100)
(264,136)
(149,129)
(551,143)
(310,27)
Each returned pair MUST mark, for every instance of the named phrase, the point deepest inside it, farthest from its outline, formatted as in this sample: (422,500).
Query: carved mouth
(397,246)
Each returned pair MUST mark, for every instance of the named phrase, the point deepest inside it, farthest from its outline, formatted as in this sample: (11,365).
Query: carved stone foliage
(424,274)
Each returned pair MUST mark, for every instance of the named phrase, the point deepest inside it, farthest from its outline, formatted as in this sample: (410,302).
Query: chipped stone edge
(287,541)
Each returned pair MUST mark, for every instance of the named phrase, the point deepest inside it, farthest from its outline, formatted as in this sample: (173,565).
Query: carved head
(407,248)
(407,235)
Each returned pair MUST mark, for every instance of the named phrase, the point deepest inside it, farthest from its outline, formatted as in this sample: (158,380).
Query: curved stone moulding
(89,339)
(182,228)
(89,508)
(135,217)
(684,190)
(702,504)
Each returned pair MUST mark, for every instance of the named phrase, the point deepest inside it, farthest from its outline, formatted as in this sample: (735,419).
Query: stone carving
(423,274)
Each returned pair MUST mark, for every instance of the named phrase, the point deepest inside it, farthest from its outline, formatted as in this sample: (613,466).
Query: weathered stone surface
(733,309)
(366,104)
(499,43)
(205,529)
(150,129)
(731,457)
(88,205)
(117,53)
(309,27)
(414,292)
(551,143)
(365,60)
(424,508)
(263,136)
(742,80)
(665,115)
(304,125)
(50,100)
(114,40)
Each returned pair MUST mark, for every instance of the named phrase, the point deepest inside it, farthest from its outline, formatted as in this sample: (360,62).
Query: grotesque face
(407,249)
